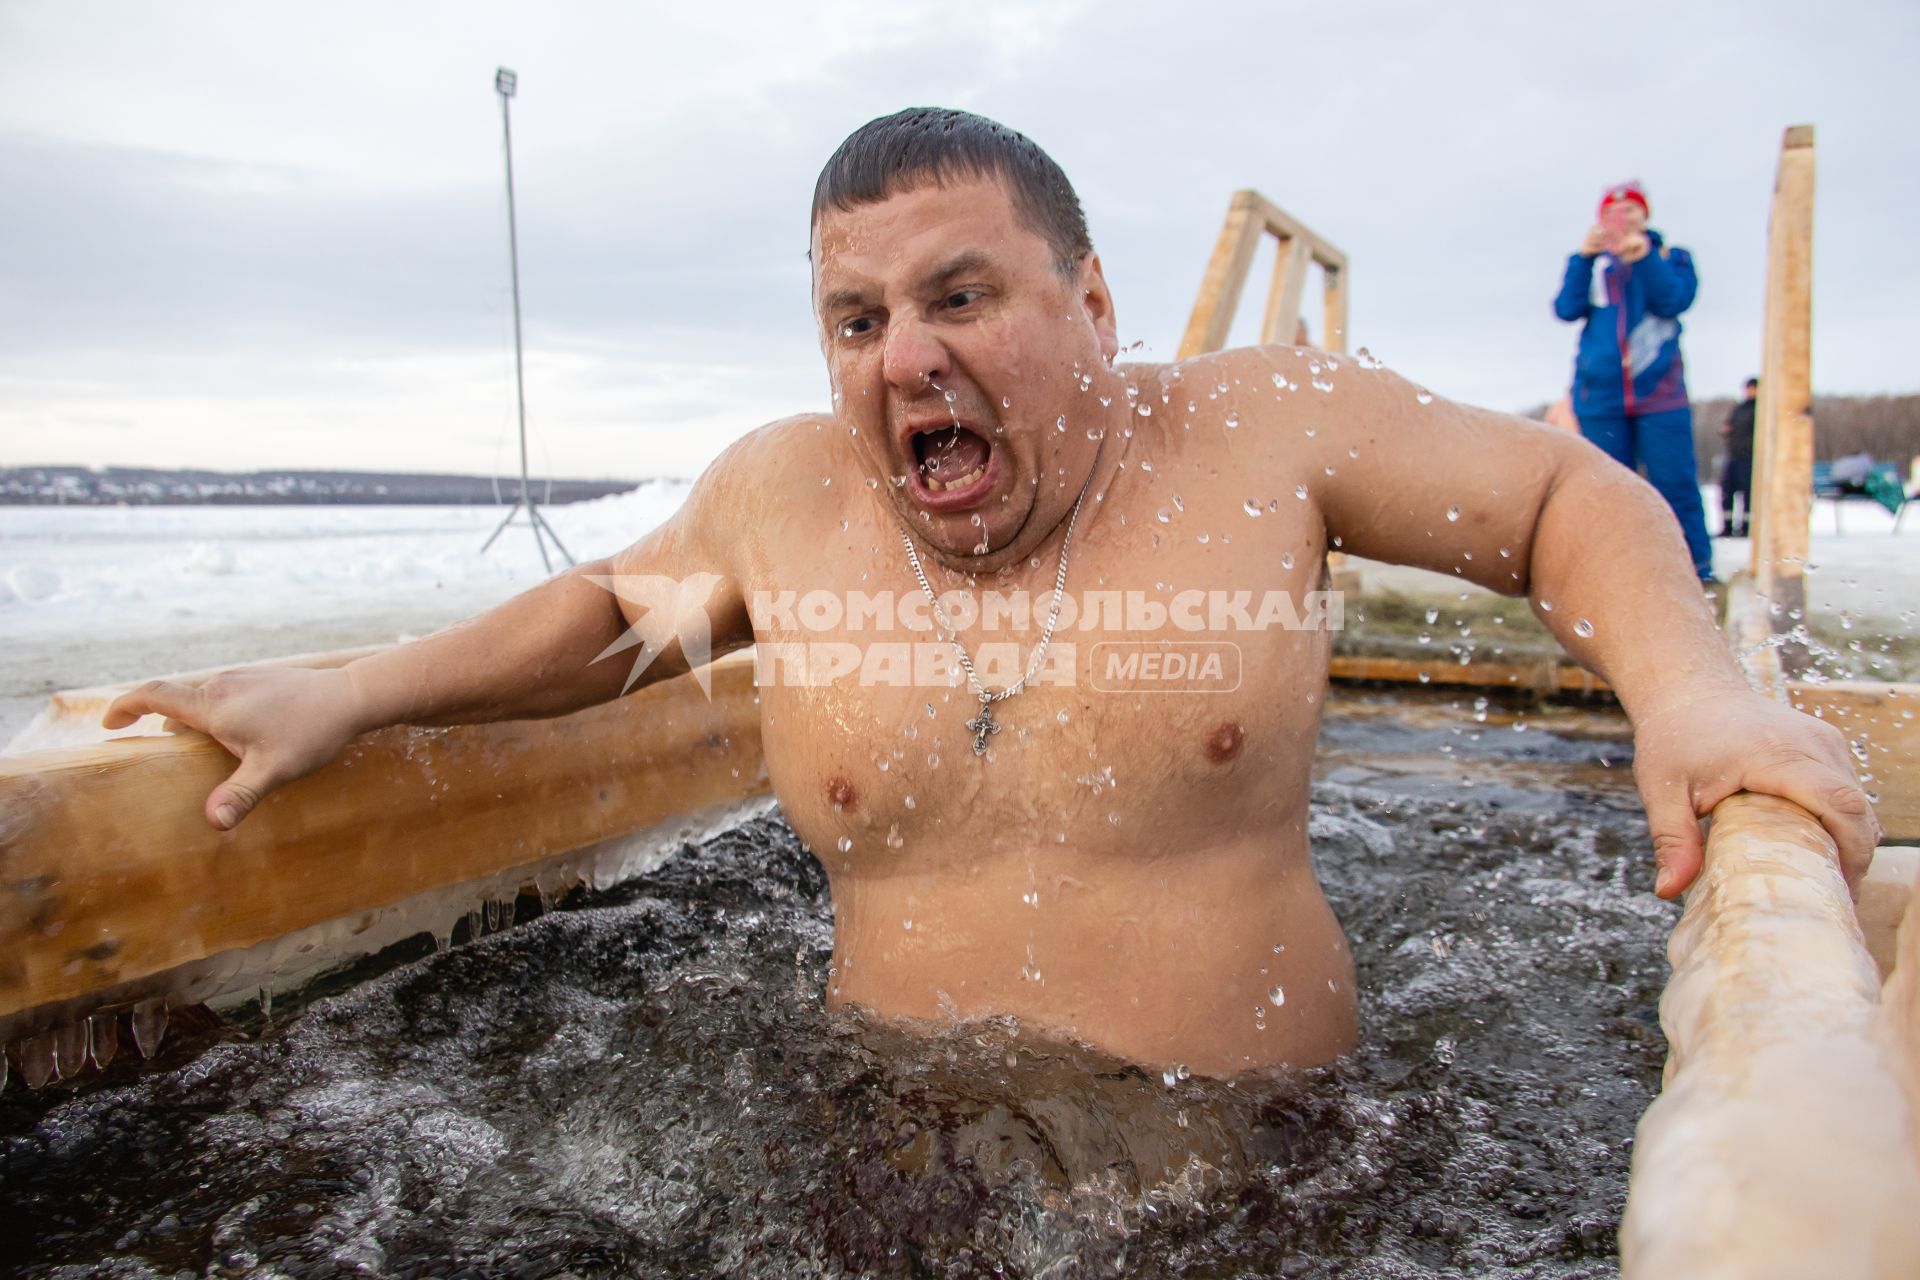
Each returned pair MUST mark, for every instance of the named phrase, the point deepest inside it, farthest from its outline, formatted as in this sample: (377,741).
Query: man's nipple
(1223,743)
(841,795)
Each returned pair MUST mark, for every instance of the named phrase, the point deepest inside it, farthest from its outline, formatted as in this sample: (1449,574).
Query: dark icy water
(647,1083)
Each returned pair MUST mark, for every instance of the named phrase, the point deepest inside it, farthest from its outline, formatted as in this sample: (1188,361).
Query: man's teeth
(941,486)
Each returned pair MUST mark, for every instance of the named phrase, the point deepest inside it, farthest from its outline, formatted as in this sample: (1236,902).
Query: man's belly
(1221,960)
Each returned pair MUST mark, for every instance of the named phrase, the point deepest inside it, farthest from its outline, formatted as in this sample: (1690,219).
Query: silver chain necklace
(983,724)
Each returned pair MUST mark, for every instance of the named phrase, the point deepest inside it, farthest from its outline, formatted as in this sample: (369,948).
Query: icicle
(266,1004)
(3,1068)
(103,1038)
(149,1026)
(36,1059)
(473,924)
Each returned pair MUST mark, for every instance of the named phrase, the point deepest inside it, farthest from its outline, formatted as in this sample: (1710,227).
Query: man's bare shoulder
(1240,402)
(767,453)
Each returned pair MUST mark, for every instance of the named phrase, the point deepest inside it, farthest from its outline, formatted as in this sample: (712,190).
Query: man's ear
(1091,286)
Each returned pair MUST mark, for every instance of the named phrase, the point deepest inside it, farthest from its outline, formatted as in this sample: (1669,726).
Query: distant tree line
(151,486)
(1888,427)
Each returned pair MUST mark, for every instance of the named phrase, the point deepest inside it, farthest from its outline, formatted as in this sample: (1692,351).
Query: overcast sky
(238,235)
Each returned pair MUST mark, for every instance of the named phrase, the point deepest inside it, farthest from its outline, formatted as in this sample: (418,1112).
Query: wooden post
(1290,265)
(1226,275)
(1783,436)
(1333,332)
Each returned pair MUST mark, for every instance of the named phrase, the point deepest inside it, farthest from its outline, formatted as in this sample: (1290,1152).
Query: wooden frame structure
(1251,216)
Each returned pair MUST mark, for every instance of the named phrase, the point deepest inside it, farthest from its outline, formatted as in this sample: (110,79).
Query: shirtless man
(1117,863)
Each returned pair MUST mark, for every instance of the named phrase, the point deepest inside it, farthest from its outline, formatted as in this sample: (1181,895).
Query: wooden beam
(1881,902)
(1900,1019)
(1776,1148)
(109,873)
(1783,436)
(1282,319)
(1333,322)
(1882,721)
(1225,277)
(1548,676)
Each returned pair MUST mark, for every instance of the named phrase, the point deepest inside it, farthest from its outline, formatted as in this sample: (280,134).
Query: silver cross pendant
(982,725)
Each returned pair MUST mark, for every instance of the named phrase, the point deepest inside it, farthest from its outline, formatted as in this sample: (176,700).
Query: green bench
(1883,485)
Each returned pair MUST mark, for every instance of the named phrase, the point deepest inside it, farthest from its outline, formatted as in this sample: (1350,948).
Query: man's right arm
(540,654)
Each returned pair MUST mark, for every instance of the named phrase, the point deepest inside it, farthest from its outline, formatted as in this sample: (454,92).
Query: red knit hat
(1625,191)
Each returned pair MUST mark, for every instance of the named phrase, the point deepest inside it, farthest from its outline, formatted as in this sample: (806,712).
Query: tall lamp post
(504,83)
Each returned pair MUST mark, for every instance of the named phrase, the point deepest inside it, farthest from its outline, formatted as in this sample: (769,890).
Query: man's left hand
(1691,754)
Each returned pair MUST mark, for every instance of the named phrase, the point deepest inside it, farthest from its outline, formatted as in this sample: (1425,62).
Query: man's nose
(914,356)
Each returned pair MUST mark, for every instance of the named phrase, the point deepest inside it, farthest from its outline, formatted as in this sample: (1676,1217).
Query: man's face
(968,366)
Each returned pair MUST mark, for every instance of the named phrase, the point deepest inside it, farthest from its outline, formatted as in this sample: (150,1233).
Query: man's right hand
(282,722)
(1595,243)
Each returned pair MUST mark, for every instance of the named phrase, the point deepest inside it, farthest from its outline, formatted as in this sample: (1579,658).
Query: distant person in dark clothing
(1629,384)
(1736,473)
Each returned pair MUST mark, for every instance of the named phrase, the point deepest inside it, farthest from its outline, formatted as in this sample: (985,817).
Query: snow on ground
(92,595)
(1865,570)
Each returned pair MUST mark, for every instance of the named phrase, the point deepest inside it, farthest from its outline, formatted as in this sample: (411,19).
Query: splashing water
(647,1082)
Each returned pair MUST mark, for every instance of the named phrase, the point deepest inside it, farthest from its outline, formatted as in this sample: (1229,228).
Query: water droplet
(1163,515)
(894,839)
(1276,997)
(1423,396)
(845,844)
(1433,616)
(1060,423)
(1300,492)
(1253,507)
(1113,817)
(1144,410)
(1006,402)
(909,801)
(1286,559)
(1177,504)
(1233,420)
(1453,514)
(1583,628)
(1203,537)
(825,481)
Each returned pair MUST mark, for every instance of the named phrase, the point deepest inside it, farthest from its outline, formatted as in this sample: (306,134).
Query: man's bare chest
(1176,692)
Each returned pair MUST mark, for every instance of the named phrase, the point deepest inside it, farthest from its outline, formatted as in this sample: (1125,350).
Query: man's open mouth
(955,466)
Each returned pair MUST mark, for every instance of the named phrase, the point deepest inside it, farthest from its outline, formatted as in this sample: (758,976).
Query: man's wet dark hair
(936,144)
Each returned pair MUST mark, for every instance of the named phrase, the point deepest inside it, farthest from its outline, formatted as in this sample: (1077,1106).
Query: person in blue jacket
(1629,382)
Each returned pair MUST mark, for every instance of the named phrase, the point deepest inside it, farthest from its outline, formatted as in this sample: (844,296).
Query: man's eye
(856,327)
(961,297)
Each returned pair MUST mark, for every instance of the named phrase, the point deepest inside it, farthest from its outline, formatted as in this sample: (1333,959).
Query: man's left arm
(1527,510)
